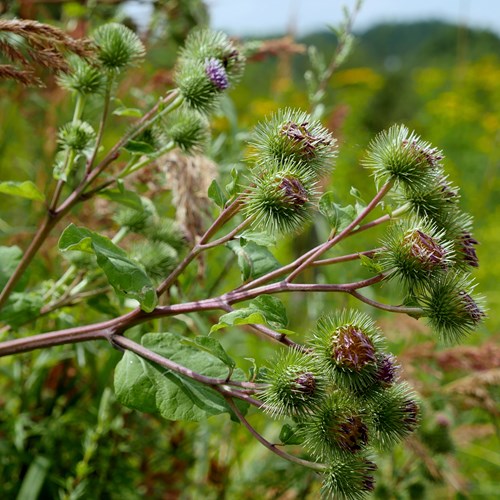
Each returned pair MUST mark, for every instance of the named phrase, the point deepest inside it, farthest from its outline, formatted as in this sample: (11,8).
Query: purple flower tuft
(294,191)
(306,383)
(216,73)
(387,369)
(466,244)
(426,249)
(353,349)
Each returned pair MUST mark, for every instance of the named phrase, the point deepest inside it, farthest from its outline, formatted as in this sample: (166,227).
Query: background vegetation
(62,435)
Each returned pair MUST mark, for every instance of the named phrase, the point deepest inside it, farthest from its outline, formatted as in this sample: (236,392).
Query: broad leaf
(148,387)
(9,257)
(264,310)
(123,196)
(233,186)
(212,346)
(253,260)
(139,147)
(288,435)
(261,238)
(216,194)
(124,275)
(123,111)
(338,217)
(371,264)
(26,189)
(21,308)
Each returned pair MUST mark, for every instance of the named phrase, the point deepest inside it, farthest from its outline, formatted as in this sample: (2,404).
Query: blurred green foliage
(62,435)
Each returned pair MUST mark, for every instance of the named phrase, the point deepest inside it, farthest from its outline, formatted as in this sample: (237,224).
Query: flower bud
(188,129)
(117,46)
(77,136)
(82,77)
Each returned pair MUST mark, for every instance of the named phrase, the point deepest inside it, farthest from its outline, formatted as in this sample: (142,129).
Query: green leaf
(147,387)
(232,186)
(124,111)
(139,147)
(371,264)
(123,196)
(264,310)
(26,189)
(288,435)
(102,304)
(34,478)
(339,217)
(21,308)
(9,257)
(214,347)
(261,238)
(216,194)
(124,275)
(253,260)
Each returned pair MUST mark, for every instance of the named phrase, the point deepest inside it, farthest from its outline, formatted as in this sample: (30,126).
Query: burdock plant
(339,391)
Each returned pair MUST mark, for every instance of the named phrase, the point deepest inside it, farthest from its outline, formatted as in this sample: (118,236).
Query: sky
(262,17)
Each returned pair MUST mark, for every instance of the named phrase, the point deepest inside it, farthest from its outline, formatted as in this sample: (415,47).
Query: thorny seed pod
(451,307)
(292,135)
(334,428)
(349,478)
(347,345)
(296,386)
(281,198)
(401,156)
(394,413)
(415,252)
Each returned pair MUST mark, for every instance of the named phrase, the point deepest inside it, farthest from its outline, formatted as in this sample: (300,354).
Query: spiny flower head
(78,136)
(188,129)
(296,385)
(437,203)
(281,197)
(206,45)
(415,252)
(294,135)
(347,345)
(401,156)
(208,64)
(118,46)
(82,78)
(335,428)
(451,306)
(394,413)
(349,477)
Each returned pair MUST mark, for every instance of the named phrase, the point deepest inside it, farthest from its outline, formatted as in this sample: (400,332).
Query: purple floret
(216,73)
